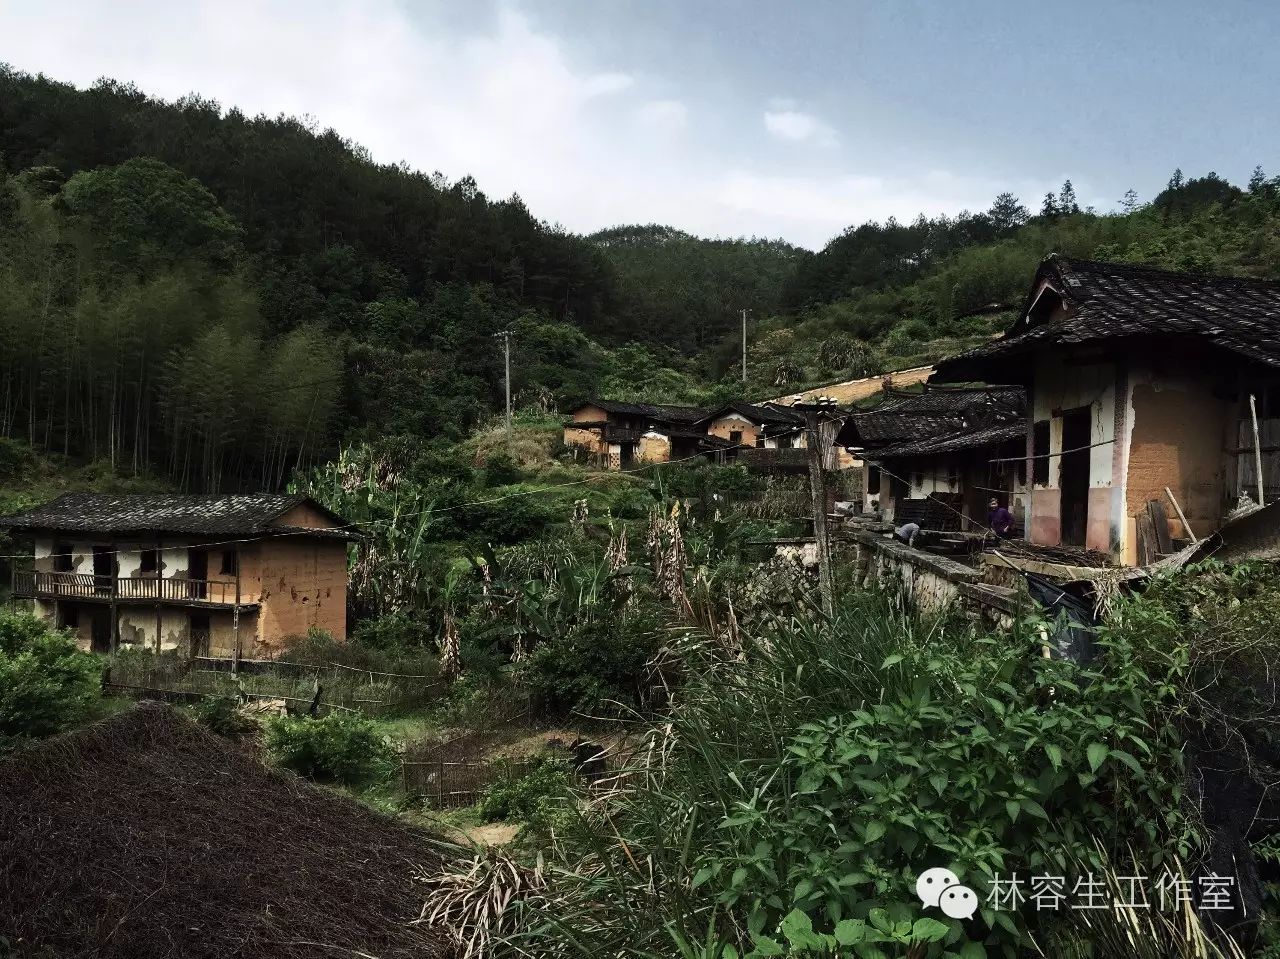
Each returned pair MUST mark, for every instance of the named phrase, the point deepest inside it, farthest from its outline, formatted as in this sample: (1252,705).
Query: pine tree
(1176,181)
(1129,202)
(1258,180)
(1049,210)
(1067,199)
(1007,213)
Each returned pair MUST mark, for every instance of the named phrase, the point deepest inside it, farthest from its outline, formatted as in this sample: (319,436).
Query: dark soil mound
(147,836)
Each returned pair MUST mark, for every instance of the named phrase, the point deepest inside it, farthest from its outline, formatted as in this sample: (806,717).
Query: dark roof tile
(1111,301)
(248,514)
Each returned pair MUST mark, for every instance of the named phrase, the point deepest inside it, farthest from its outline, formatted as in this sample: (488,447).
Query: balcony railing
(28,583)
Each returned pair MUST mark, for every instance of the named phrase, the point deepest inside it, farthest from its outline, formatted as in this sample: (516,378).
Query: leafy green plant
(527,797)
(803,788)
(46,683)
(221,715)
(594,667)
(335,748)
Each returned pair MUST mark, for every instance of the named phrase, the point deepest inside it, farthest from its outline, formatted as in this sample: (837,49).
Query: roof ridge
(1143,269)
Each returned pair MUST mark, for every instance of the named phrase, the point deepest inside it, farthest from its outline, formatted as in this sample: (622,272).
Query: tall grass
(621,881)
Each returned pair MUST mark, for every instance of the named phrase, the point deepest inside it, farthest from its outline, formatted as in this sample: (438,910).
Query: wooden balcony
(133,589)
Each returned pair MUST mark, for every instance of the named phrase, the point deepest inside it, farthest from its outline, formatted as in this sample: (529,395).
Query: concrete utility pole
(744,345)
(813,417)
(506,344)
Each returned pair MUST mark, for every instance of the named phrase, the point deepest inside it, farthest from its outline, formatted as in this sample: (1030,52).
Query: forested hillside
(219,299)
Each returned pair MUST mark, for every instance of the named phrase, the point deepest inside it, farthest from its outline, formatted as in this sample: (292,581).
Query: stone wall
(930,584)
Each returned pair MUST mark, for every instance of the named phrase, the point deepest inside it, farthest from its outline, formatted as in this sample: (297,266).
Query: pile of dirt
(147,836)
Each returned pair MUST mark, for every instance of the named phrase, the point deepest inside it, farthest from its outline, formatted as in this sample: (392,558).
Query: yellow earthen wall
(303,584)
(1177,439)
(729,424)
(653,449)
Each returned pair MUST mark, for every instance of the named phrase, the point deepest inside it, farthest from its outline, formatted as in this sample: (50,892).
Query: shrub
(221,715)
(393,633)
(594,666)
(804,787)
(529,797)
(318,648)
(46,683)
(500,469)
(336,748)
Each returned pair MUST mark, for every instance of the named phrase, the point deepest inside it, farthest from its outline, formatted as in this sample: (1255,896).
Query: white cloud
(786,122)
(666,115)
(588,145)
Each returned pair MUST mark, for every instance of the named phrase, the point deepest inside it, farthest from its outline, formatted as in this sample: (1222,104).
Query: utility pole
(506,344)
(744,345)
(813,417)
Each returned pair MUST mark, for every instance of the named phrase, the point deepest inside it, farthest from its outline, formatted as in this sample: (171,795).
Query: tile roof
(1110,301)
(953,442)
(249,514)
(766,414)
(936,414)
(654,411)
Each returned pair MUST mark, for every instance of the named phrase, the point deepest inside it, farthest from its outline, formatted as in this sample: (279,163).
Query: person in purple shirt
(1000,520)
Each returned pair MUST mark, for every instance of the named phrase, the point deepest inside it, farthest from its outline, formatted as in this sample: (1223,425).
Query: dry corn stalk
(450,649)
(666,546)
(472,904)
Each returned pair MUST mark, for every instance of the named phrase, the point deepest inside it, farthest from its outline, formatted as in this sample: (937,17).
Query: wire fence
(326,686)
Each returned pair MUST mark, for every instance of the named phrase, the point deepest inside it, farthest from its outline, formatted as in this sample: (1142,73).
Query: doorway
(104,568)
(199,634)
(197,573)
(100,631)
(1077,429)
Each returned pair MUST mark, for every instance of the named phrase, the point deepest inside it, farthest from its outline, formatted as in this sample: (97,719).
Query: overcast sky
(791,118)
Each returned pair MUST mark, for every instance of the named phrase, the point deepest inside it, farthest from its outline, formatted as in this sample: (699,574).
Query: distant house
(936,456)
(756,425)
(205,575)
(615,435)
(1138,379)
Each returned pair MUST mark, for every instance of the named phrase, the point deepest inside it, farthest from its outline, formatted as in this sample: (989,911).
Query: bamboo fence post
(1257,447)
(1181,515)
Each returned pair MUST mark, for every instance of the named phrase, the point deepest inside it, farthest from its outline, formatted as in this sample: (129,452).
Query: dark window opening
(148,562)
(70,617)
(760,441)
(230,562)
(735,436)
(1040,450)
(873,480)
(785,442)
(62,558)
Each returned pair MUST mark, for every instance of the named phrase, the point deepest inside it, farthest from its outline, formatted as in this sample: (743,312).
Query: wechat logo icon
(941,888)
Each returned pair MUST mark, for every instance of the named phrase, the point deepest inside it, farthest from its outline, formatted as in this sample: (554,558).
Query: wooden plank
(1160,526)
(1147,544)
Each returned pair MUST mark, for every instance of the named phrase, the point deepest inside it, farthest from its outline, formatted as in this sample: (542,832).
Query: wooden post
(159,573)
(1178,509)
(115,615)
(818,495)
(1257,447)
(235,618)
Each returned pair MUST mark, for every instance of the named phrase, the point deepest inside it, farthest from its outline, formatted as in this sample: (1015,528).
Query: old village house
(615,435)
(205,575)
(1138,379)
(936,457)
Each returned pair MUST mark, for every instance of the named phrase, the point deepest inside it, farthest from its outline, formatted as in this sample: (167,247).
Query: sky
(771,118)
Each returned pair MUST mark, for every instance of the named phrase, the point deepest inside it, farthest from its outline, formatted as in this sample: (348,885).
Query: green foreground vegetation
(193,299)
(799,775)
